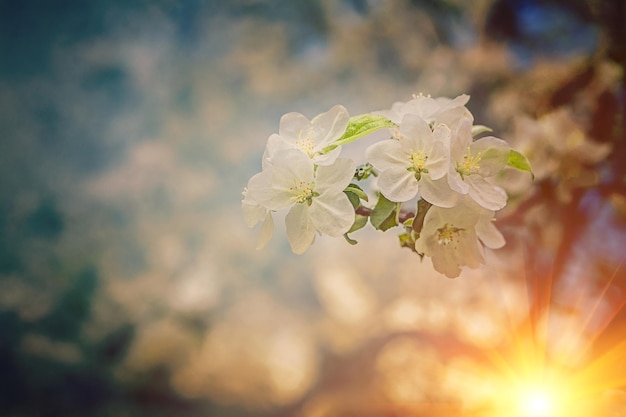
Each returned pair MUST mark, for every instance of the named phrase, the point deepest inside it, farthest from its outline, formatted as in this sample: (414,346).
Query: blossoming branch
(433,161)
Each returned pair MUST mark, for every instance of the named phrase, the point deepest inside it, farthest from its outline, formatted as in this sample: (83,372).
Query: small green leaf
(349,239)
(354,199)
(384,214)
(422,209)
(359,126)
(358,191)
(407,241)
(479,129)
(518,161)
(359,223)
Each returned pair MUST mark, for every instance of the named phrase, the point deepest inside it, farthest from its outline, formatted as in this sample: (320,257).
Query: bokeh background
(130,286)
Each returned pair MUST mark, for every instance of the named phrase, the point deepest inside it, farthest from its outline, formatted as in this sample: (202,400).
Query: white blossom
(309,137)
(471,162)
(452,236)
(416,160)
(313,193)
(433,110)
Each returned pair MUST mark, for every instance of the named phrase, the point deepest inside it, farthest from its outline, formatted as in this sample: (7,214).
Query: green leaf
(359,126)
(356,190)
(384,214)
(422,208)
(359,223)
(354,199)
(407,241)
(349,239)
(518,161)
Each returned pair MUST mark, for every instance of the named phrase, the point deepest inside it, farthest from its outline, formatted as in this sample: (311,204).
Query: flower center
(418,163)
(303,192)
(470,164)
(448,234)
(305,143)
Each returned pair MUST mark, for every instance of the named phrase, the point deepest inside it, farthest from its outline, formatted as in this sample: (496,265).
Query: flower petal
(438,192)
(438,162)
(336,177)
(273,187)
(489,234)
(460,140)
(263,189)
(291,126)
(331,125)
(387,154)
(275,144)
(494,155)
(327,158)
(397,184)
(455,181)
(297,164)
(332,214)
(487,195)
(300,230)
(267,230)
(252,211)
(416,134)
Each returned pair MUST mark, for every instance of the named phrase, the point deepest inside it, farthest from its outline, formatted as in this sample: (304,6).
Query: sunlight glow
(536,402)
(546,394)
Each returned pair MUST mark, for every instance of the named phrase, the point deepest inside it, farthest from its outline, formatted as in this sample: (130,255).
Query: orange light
(537,402)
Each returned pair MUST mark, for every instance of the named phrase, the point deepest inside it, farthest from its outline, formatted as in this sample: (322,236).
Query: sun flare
(537,402)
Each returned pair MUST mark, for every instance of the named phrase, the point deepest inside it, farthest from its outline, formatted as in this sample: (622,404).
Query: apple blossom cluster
(432,163)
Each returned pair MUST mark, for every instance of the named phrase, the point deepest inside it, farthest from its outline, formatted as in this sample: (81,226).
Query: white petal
(332,214)
(397,184)
(425,107)
(469,251)
(252,211)
(438,192)
(296,163)
(460,140)
(271,187)
(267,230)
(455,181)
(438,163)
(291,124)
(487,195)
(263,188)
(454,110)
(387,154)
(489,234)
(328,158)
(300,230)
(446,264)
(275,144)
(416,133)
(494,155)
(334,178)
(331,125)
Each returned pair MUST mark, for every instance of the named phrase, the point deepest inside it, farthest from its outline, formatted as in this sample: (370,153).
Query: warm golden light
(536,403)
(547,395)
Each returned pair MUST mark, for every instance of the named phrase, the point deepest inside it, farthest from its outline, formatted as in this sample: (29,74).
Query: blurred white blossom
(413,161)
(310,137)
(314,195)
(452,236)
(471,162)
